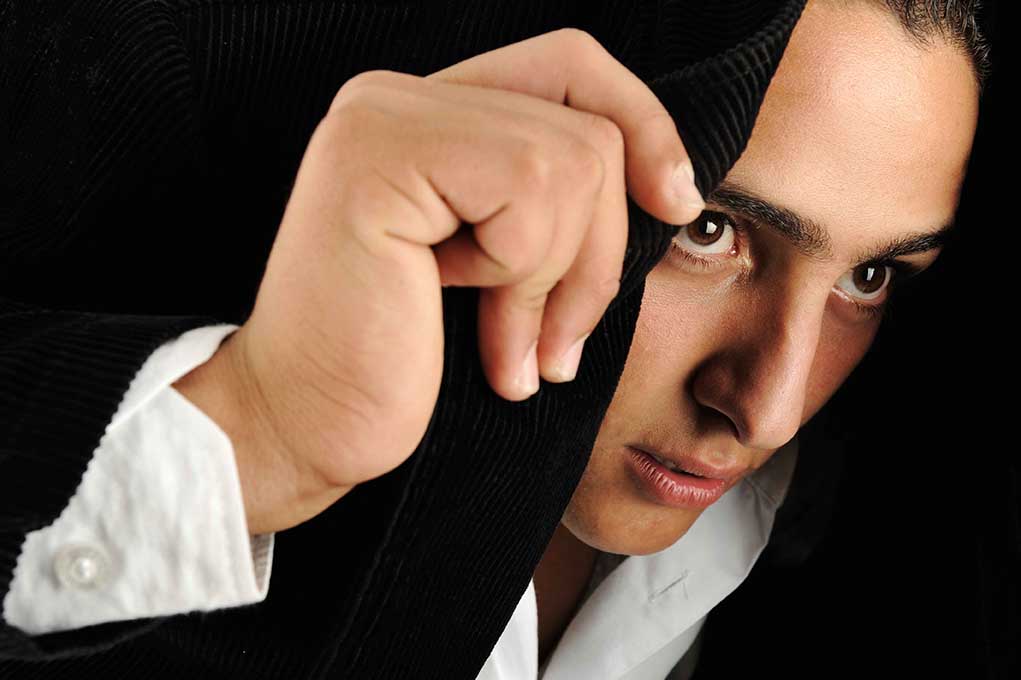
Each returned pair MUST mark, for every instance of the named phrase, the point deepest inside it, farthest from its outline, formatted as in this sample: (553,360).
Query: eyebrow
(810,238)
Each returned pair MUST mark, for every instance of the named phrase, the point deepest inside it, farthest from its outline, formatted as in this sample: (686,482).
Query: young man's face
(861,133)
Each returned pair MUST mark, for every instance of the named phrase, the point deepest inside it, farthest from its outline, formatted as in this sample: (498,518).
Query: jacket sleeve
(63,377)
(99,136)
(157,525)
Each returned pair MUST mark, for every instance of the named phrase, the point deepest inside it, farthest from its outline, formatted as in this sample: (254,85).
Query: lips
(671,465)
(692,464)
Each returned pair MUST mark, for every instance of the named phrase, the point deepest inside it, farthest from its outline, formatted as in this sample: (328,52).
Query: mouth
(670,487)
(692,466)
(670,465)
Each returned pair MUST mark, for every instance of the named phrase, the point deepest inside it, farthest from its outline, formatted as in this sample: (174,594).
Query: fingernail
(684,186)
(567,366)
(528,378)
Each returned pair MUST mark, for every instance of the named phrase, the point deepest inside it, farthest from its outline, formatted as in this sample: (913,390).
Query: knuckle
(608,288)
(533,296)
(589,163)
(605,133)
(345,123)
(533,165)
(355,86)
(657,117)
(517,258)
(595,294)
(579,38)
(533,265)
(517,262)
(372,76)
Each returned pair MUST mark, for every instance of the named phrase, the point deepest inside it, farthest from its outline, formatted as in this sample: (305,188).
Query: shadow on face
(765,304)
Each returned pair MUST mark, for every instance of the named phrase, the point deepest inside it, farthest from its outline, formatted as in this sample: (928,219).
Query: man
(764,306)
(749,392)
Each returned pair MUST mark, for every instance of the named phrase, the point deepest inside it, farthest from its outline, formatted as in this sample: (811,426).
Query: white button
(82,566)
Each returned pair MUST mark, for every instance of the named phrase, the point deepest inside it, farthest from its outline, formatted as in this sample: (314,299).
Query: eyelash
(901,270)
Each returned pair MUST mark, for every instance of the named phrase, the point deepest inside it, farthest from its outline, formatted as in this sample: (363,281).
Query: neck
(560,580)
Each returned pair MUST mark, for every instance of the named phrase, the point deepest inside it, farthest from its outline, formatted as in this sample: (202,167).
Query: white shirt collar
(644,615)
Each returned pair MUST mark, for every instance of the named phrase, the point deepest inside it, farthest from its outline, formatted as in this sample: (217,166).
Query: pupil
(708,229)
(869,278)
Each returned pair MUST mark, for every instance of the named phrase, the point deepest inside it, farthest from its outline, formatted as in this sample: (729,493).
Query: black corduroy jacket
(176,127)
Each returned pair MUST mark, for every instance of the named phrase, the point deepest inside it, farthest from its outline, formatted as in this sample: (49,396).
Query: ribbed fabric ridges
(65,147)
(416,573)
(63,377)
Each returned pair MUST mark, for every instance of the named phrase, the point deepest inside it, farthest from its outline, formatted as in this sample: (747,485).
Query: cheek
(674,327)
(841,348)
(647,393)
(683,319)
(676,319)
(663,353)
(607,510)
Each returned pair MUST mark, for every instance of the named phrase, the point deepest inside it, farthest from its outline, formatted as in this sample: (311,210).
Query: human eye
(871,281)
(710,238)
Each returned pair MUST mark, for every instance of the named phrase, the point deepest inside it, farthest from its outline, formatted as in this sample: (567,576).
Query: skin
(860,131)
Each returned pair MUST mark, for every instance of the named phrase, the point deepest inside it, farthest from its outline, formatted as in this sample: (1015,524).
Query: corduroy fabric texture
(147,144)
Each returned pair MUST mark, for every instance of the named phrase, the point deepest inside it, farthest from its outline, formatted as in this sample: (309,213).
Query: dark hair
(955,21)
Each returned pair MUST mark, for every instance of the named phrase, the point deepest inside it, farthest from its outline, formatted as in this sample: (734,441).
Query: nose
(758,376)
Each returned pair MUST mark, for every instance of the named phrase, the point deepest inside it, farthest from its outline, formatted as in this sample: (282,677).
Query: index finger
(569,66)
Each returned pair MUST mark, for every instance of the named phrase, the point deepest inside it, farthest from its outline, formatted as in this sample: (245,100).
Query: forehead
(860,129)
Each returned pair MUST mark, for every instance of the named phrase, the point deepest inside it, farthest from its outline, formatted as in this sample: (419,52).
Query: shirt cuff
(157,525)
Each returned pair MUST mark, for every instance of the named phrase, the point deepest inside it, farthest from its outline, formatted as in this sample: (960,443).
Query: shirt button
(81,566)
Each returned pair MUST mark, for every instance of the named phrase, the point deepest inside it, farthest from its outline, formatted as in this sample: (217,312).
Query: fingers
(570,67)
(579,300)
(542,141)
(643,155)
(511,317)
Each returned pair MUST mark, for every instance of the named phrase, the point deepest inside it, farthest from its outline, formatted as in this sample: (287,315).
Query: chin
(624,523)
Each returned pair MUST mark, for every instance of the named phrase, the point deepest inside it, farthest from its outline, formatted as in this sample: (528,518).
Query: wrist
(276,495)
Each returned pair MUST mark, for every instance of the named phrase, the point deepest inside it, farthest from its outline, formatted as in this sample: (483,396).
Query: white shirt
(157,527)
(641,619)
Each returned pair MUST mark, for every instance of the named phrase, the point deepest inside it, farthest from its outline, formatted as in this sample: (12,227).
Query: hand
(333,379)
